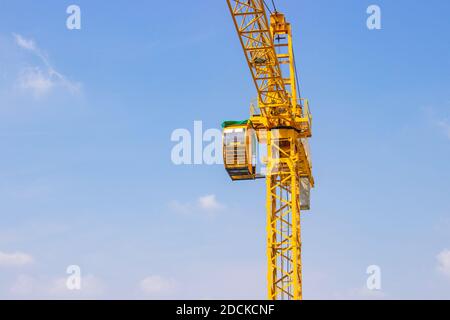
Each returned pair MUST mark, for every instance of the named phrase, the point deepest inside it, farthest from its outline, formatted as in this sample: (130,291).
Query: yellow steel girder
(282,120)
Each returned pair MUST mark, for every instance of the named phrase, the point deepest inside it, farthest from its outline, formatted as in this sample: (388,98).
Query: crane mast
(282,121)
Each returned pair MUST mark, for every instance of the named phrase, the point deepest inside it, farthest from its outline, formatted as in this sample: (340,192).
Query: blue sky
(86,176)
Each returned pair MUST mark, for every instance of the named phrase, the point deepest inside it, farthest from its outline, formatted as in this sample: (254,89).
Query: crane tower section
(280,119)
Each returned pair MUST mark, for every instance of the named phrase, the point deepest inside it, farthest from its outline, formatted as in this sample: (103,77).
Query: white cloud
(157,286)
(24,43)
(23,285)
(359,294)
(366,294)
(35,80)
(16,259)
(91,287)
(443,259)
(206,204)
(209,203)
(26,286)
(41,80)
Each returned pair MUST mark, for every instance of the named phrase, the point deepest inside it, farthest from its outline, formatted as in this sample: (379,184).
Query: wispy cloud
(23,285)
(91,287)
(445,126)
(17,259)
(443,260)
(207,204)
(157,286)
(41,80)
(27,286)
(25,43)
(362,293)
(438,120)
(35,80)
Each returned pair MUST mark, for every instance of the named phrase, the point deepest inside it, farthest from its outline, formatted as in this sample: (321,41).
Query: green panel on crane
(230,123)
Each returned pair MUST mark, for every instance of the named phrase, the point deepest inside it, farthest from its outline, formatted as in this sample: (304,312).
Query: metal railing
(303,103)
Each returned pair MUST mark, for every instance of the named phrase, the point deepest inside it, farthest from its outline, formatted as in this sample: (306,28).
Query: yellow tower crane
(281,120)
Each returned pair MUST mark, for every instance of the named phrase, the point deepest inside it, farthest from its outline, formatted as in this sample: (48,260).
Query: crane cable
(267,6)
(273,5)
(296,76)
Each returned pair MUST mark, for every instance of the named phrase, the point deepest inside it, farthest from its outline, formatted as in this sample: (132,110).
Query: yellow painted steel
(282,120)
